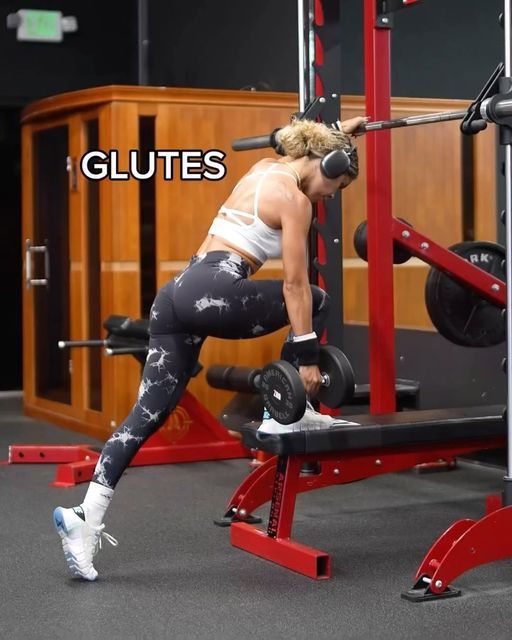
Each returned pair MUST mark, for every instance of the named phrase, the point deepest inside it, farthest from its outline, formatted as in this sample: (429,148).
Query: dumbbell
(281,387)
(283,392)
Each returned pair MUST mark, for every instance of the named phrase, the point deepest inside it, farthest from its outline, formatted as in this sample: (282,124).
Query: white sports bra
(257,238)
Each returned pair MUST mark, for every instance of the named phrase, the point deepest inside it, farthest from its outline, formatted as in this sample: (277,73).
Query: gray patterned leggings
(211,297)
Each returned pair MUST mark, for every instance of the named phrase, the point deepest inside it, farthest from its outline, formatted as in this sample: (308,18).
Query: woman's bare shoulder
(285,206)
(291,198)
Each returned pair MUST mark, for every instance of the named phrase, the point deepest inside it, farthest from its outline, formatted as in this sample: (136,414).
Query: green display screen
(40,25)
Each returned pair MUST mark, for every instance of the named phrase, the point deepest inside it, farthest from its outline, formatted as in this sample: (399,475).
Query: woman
(268,214)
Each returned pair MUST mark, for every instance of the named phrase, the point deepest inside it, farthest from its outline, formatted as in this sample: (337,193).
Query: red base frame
(280,480)
(190,434)
(465,545)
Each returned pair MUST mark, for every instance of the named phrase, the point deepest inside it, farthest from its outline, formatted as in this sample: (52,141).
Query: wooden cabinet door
(47,370)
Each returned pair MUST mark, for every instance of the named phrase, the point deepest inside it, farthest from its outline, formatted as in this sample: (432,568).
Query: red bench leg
(275,544)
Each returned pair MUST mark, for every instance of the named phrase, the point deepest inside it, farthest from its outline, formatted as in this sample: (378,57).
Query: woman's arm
(295,223)
(352,124)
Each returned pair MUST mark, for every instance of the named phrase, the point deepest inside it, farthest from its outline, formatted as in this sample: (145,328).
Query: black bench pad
(387,430)
(126,327)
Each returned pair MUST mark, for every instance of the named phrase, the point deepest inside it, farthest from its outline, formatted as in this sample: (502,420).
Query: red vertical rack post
(377,43)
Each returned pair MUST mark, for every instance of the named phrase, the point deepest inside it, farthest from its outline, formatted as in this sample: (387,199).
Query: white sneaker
(311,421)
(80,541)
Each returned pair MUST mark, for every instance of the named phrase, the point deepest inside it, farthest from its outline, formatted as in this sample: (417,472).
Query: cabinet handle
(29,250)
(71,169)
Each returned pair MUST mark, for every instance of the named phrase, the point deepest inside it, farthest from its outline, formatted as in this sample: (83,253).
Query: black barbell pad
(116,323)
(243,379)
(232,378)
(198,367)
(124,326)
(138,328)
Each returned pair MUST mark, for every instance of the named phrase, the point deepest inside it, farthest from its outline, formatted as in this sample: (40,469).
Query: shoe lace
(311,408)
(98,535)
(324,417)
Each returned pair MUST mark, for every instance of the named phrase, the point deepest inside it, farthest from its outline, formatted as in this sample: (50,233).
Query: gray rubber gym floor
(175,575)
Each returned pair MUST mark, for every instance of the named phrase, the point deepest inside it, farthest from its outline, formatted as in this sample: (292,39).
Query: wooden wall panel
(27,231)
(485,197)
(120,374)
(426,180)
(119,199)
(185,209)
(78,312)
(120,255)
(409,285)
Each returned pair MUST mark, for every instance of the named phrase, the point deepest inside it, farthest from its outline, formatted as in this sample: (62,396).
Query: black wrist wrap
(307,352)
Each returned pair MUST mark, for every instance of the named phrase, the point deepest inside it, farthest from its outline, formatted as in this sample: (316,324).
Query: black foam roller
(231,378)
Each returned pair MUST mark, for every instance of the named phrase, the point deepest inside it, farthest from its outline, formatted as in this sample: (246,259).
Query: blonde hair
(307,137)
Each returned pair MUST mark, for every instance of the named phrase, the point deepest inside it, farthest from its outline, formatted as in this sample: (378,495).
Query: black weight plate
(460,314)
(400,254)
(361,241)
(336,365)
(283,392)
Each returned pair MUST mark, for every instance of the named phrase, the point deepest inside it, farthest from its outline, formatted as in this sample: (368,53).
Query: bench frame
(280,481)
